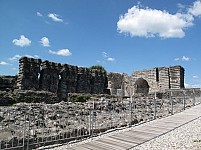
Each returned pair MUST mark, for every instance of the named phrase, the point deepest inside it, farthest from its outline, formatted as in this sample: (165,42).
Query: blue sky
(121,35)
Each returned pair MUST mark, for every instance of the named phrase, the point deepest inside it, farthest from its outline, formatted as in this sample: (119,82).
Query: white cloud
(187,85)
(39,14)
(17,57)
(55,17)
(184,58)
(45,42)
(62,52)
(196,8)
(195,77)
(181,6)
(3,63)
(192,85)
(104,54)
(110,59)
(176,59)
(151,23)
(107,57)
(23,41)
(30,56)
(196,86)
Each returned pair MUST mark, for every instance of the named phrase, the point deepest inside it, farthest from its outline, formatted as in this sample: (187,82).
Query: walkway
(142,133)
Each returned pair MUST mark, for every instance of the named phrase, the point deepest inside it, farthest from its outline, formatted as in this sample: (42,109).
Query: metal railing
(27,126)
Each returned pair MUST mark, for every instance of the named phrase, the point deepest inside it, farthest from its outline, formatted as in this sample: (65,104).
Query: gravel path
(186,137)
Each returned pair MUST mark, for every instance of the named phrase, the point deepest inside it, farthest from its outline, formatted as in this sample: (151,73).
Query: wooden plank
(125,139)
(120,141)
(91,146)
(108,146)
(152,128)
(134,139)
(160,129)
(143,133)
(139,135)
(80,147)
(114,143)
(163,125)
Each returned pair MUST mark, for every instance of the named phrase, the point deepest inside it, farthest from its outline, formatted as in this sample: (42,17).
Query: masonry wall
(158,79)
(149,75)
(176,77)
(162,78)
(59,79)
(29,70)
(7,82)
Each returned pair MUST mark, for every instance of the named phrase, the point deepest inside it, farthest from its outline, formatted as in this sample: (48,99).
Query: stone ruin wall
(158,79)
(60,79)
(63,79)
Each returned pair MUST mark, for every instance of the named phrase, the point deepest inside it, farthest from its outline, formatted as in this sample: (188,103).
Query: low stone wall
(7,82)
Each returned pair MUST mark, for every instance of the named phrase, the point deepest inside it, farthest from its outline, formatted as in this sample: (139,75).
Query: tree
(98,67)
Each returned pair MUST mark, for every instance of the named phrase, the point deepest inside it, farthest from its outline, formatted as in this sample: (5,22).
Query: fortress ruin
(62,79)
(157,79)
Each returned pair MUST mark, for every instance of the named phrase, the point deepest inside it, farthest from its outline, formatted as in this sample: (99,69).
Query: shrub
(79,98)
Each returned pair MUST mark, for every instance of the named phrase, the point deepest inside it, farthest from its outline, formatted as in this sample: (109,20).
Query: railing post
(28,131)
(130,112)
(193,97)
(184,100)
(94,116)
(90,120)
(110,115)
(171,101)
(199,97)
(155,106)
(24,131)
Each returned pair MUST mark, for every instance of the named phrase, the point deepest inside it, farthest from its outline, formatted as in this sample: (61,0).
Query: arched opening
(141,86)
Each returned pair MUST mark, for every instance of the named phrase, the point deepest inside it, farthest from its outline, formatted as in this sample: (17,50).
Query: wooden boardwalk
(142,133)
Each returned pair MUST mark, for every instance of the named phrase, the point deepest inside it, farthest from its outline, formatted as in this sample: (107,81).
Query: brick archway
(141,86)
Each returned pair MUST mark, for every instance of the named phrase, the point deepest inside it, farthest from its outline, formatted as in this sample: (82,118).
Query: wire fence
(28,126)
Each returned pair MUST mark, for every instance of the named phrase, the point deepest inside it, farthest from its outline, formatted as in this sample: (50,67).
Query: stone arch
(141,86)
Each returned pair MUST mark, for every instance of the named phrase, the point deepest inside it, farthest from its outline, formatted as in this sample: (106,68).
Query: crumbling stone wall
(49,76)
(176,77)
(7,82)
(68,81)
(162,78)
(149,75)
(119,84)
(59,79)
(84,80)
(29,70)
(115,82)
(98,81)
(158,79)
(63,79)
